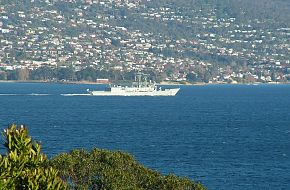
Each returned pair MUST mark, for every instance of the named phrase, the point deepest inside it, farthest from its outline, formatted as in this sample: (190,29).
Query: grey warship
(140,87)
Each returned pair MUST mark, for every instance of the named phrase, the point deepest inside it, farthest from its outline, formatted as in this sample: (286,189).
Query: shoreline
(204,84)
(165,83)
(43,81)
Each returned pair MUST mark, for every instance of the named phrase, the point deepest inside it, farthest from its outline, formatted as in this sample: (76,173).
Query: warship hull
(135,92)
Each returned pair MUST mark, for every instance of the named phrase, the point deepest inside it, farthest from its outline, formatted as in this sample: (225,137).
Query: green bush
(24,167)
(103,169)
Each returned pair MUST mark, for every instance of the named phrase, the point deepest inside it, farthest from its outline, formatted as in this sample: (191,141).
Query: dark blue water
(226,136)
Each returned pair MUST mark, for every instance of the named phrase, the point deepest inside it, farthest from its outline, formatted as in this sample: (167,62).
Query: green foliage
(88,74)
(12,75)
(65,74)
(102,169)
(24,167)
(43,73)
(191,77)
(3,75)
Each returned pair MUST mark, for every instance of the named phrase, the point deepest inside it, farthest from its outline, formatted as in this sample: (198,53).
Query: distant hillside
(271,14)
(275,10)
(215,40)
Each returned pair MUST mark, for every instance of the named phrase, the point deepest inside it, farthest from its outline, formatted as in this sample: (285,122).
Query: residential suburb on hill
(172,40)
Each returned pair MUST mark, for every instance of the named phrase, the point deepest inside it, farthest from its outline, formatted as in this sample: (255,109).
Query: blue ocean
(225,136)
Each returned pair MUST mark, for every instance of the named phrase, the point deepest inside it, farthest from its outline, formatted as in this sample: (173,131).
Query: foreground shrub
(108,170)
(24,167)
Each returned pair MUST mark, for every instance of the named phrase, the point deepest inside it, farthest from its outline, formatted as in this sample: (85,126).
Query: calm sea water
(226,136)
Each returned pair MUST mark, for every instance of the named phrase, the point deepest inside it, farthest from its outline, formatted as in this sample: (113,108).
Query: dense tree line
(47,73)
(25,167)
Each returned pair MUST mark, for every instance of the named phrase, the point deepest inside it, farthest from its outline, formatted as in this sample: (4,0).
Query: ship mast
(138,79)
